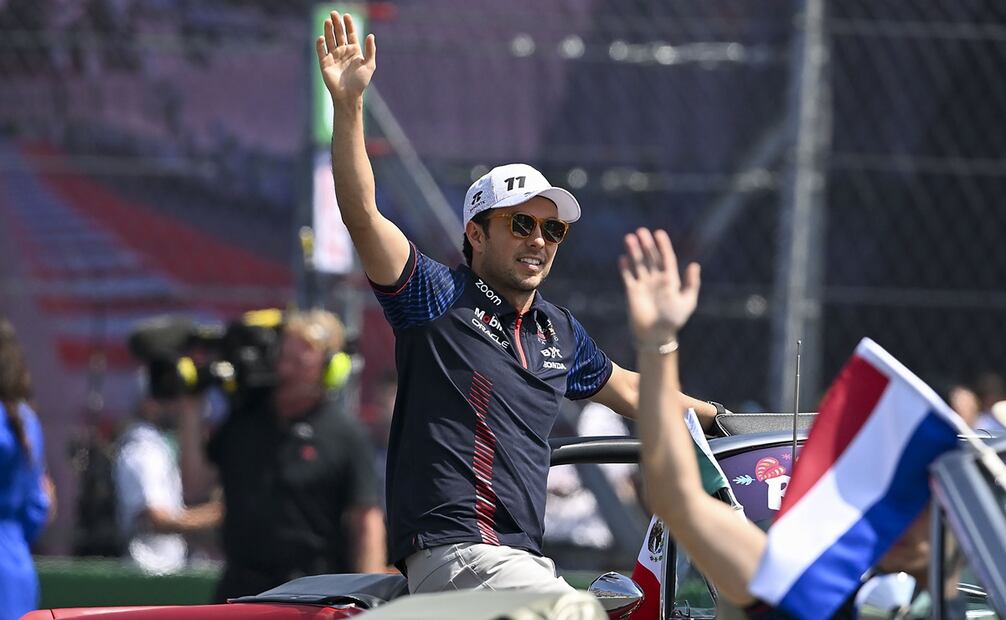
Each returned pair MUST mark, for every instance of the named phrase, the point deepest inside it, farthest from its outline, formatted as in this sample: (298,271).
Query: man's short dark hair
(481,218)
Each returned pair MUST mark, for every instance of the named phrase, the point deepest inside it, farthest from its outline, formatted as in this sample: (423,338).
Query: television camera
(186,357)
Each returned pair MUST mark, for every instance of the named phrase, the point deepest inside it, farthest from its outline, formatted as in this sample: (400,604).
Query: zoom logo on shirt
(488,292)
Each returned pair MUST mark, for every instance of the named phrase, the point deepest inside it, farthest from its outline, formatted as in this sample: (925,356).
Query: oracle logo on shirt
(486,320)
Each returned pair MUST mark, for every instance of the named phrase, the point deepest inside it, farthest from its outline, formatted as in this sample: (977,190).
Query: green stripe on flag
(713,478)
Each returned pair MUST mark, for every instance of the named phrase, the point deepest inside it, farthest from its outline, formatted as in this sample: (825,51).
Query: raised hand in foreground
(659,302)
(725,548)
(345,69)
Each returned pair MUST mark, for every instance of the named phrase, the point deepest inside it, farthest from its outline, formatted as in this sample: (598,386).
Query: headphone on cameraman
(336,366)
(336,369)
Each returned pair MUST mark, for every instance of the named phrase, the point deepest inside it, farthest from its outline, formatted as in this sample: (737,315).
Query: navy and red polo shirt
(479,387)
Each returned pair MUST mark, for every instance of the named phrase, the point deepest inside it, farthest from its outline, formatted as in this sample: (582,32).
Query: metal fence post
(799,276)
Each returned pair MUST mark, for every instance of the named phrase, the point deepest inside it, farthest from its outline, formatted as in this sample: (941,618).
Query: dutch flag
(862,479)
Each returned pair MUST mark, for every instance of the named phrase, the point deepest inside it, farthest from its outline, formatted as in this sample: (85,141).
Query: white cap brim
(569,208)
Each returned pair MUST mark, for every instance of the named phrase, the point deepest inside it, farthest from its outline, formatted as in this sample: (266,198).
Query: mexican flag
(648,572)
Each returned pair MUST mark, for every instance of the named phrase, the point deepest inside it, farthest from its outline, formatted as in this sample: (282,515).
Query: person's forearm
(195,519)
(705,411)
(371,556)
(669,466)
(354,177)
(202,517)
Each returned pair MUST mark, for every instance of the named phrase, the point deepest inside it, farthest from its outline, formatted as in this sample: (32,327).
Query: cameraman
(297,473)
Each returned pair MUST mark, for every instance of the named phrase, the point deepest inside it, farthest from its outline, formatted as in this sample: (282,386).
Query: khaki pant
(472,566)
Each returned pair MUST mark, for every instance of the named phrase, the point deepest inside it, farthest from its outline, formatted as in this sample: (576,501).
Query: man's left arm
(621,395)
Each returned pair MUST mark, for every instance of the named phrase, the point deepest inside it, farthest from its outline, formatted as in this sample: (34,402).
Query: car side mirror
(619,595)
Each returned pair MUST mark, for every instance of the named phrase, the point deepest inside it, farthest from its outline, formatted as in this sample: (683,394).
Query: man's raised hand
(659,302)
(345,68)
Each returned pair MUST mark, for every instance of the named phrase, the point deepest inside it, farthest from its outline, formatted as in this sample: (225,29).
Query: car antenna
(796,404)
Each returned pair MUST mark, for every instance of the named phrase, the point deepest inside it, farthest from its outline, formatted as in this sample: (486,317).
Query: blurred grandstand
(154,157)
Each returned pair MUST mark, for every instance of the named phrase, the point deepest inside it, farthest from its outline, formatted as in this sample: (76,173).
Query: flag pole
(665,605)
(796,404)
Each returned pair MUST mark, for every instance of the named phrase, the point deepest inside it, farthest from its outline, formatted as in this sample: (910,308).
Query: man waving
(483,360)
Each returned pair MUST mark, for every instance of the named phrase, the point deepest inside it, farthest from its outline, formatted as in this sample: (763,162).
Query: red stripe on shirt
(483,457)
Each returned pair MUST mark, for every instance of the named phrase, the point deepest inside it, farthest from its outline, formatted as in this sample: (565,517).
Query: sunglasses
(522,226)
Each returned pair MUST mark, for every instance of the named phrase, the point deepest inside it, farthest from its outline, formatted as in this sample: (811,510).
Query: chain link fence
(153,158)
(914,217)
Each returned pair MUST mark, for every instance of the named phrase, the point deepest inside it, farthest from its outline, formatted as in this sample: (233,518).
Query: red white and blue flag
(861,481)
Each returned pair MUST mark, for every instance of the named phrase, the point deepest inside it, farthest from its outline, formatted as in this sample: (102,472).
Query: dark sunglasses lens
(554,230)
(522,224)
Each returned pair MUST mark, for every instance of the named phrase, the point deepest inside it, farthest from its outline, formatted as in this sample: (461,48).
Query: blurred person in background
(483,360)
(26,494)
(297,472)
(151,512)
(964,401)
(959,396)
(975,405)
(990,388)
(572,516)
(991,391)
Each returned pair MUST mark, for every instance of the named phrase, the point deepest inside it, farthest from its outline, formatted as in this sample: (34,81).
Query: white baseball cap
(513,184)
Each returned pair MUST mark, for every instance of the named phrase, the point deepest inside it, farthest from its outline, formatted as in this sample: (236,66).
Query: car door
(969,537)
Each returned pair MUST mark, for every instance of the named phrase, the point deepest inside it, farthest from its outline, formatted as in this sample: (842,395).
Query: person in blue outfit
(483,360)
(24,499)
